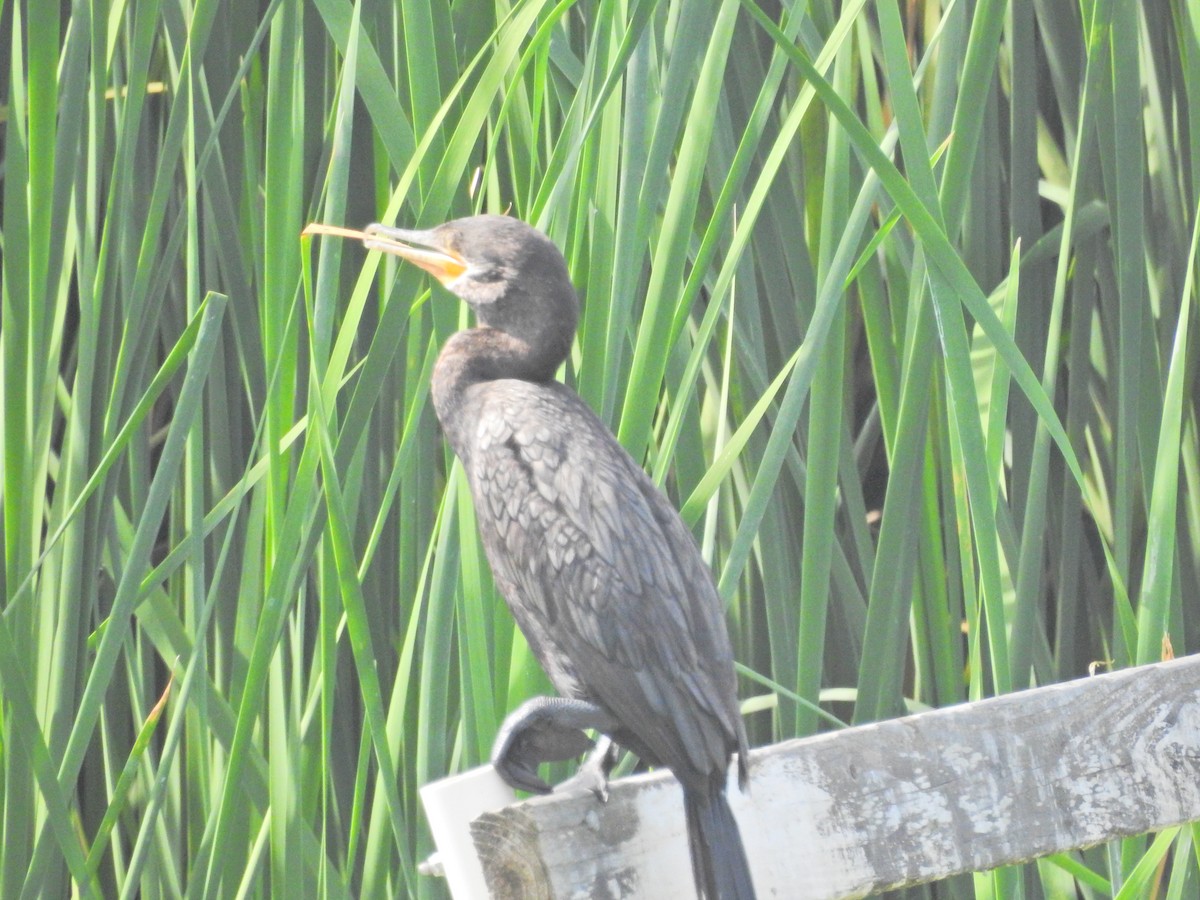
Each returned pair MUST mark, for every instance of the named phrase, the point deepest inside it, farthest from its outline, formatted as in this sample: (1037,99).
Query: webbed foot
(544,729)
(593,772)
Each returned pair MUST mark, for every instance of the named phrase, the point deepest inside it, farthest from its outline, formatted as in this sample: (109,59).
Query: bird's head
(511,274)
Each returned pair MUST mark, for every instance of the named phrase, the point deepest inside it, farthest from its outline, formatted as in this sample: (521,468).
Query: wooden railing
(844,814)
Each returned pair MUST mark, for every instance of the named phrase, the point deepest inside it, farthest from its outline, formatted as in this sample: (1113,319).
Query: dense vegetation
(893,299)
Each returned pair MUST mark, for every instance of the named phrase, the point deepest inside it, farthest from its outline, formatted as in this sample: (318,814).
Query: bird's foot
(544,729)
(593,773)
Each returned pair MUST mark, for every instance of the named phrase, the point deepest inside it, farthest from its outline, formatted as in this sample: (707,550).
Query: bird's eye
(488,274)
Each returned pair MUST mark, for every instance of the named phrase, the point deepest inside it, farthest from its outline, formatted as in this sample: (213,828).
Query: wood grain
(895,803)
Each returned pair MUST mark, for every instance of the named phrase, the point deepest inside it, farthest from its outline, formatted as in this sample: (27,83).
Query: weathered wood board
(901,802)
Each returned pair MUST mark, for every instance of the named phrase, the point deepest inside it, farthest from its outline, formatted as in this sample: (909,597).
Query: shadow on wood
(896,803)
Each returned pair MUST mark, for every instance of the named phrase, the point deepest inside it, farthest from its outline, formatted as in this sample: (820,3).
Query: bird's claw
(593,772)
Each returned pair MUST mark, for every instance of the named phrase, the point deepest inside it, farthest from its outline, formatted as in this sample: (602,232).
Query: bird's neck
(479,355)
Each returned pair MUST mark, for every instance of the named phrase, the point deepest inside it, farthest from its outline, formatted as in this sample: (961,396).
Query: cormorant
(599,571)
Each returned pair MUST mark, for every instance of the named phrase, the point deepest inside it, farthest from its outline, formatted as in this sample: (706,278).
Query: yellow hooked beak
(426,249)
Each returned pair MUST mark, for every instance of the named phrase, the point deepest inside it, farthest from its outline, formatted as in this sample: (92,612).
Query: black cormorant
(601,574)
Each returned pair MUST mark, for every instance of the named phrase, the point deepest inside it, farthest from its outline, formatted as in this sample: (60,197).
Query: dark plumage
(601,574)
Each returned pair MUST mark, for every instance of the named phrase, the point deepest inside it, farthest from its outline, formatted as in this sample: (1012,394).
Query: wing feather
(602,576)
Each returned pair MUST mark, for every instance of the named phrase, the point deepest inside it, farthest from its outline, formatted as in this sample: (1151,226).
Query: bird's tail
(718,858)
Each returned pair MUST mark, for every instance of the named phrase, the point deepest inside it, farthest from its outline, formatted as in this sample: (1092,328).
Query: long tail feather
(718,857)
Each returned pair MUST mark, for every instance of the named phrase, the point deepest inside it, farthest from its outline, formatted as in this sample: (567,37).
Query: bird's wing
(603,577)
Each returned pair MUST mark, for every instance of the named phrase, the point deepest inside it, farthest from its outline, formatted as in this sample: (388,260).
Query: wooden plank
(896,803)
(451,804)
